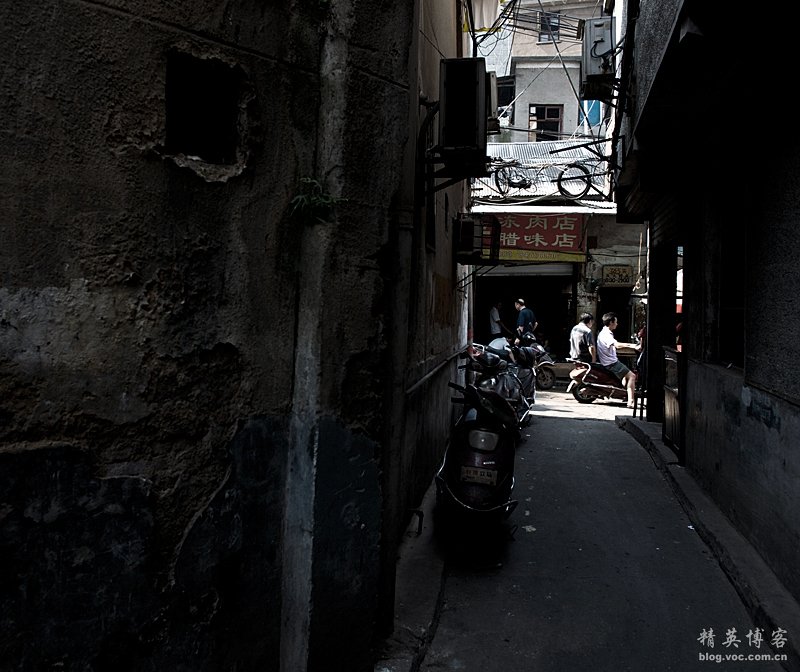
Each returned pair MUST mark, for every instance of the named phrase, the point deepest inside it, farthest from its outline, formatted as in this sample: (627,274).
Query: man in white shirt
(607,355)
(496,325)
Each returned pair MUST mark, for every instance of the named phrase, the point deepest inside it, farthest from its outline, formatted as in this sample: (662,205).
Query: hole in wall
(203,102)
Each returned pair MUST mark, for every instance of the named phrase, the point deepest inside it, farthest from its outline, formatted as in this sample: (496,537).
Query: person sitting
(581,340)
(607,355)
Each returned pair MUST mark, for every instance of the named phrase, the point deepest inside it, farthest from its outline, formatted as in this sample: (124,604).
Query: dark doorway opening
(616,300)
(548,296)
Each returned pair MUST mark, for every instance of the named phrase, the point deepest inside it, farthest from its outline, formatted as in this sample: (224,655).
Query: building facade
(720,370)
(539,61)
(226,327)
(552,160)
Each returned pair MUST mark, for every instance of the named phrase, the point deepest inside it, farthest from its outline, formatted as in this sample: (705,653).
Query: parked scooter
(590,381)
(495,369)
(530,354)
(543,365)
(476,477)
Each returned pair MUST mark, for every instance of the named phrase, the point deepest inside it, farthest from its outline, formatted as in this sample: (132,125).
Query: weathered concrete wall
(740,285)
(654,30)
(772,279)
(198,284)
(144,446)
(743,422)
(547,82)
(741,444)
(548,73)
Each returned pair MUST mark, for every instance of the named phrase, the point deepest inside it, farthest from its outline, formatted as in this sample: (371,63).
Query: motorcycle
(489,370)
(533,355)
(544,366)
(590,381)
(476,477)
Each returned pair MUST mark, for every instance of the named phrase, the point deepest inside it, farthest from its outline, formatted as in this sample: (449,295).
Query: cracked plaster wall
(149,307)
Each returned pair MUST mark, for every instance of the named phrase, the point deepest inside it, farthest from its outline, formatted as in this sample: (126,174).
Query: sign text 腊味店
(542,237)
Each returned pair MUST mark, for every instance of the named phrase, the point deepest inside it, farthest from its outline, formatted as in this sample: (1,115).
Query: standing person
(607,355)
(496,326)
(581,340)
(526,320)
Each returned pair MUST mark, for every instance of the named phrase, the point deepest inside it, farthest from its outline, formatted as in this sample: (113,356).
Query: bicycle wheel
(510,177)
(501,180)
(574,181)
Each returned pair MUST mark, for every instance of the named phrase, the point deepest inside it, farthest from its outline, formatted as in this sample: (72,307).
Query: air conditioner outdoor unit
(492,120)
(598,59)
(463,115)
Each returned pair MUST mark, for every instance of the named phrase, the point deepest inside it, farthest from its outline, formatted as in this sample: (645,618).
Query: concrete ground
(557,598)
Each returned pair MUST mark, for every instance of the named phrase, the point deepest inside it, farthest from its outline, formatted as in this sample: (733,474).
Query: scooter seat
(490,362)
(597,366)
(502,354)
(525,356)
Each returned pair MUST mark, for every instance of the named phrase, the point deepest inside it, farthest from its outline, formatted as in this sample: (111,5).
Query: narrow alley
(603,570)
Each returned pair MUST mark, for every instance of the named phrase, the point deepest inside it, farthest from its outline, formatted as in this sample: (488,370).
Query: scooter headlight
(480,440)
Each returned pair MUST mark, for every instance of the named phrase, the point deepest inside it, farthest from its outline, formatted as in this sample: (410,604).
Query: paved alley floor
(599,568)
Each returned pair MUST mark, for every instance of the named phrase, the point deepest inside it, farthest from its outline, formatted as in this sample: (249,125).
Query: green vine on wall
(314,204)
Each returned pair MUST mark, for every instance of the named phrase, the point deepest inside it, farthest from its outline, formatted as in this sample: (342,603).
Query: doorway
(547,296)
(616,300)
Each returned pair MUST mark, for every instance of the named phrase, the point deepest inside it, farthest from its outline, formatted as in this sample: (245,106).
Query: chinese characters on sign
(542,237)
(617,276)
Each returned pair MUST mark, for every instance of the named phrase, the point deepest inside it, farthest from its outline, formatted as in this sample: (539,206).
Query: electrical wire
(527,86)
(515,18)
(500,35)
(536,19)
(563,65)
(435,44)
(499,24)
(531,20)
(432,43)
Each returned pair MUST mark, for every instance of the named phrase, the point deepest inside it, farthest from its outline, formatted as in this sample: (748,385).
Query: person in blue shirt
(526,320)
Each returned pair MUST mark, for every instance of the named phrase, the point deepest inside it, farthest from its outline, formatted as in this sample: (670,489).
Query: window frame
(549,27)
(534,121)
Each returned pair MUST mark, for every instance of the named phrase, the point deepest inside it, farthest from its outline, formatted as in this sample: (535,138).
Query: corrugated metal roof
(529,171)
(573,207)
(534,152)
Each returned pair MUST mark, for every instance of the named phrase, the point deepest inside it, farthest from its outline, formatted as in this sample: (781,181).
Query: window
(505,93)
(589,113)
(544,121)
(549,23)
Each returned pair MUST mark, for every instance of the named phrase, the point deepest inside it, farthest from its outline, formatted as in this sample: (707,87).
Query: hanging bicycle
(575,180)
(510,175)
(579,177)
